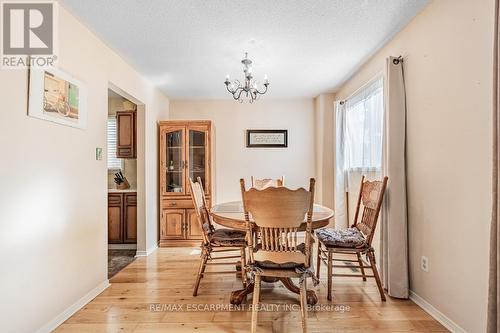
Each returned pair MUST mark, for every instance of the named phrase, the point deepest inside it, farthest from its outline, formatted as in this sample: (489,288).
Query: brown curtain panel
(493,324)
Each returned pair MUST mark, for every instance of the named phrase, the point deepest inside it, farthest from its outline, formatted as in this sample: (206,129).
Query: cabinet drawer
(114,199)
(124,152)
(178,204)
(131,199)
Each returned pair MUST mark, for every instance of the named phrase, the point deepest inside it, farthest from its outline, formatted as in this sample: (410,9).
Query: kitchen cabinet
(115,217)
(185,152)
(130,218)
(126,134)
(122,218)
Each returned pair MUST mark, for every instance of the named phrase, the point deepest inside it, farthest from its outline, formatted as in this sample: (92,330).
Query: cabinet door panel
(172,224)
(173,161)
(193,229)
(125,136)
(130,219)
(198,155)
(114,224)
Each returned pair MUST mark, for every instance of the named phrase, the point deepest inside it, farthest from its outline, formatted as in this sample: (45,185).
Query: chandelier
(249,90)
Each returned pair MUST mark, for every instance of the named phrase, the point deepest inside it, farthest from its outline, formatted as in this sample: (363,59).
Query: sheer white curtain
(340,174)
(363,138)
(359,132)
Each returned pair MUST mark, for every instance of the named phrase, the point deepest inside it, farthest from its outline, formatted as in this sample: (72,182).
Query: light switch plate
(98,154)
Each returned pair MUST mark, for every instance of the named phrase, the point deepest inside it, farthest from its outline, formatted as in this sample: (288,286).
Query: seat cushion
(348,238)
(285,265)
(228,237)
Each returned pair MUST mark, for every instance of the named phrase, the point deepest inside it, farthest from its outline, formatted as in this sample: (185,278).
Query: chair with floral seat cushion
(261,184)
(216,240)
(355,240)
(350,238)
(273,246)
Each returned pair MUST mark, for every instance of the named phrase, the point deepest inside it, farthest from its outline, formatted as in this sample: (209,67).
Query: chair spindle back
(201,209)
(277,214)
(371,195)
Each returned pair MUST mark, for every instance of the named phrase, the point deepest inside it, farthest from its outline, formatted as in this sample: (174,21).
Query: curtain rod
(395,61)
(375,77)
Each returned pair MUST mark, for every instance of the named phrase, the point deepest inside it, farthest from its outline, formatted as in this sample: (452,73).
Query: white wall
(234,161)
(448,64)
(53,193)
(324,146)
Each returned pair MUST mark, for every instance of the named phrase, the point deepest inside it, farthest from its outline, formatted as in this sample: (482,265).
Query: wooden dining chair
(356,240)
(261,184)
(216,240)
(274,251)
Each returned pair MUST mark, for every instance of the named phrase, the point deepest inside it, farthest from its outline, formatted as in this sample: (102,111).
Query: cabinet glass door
(197,156)
(173,164)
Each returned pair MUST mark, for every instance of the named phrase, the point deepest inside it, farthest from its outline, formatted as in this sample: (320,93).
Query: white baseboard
(147,252)
(54,323)
(438,315)
(122,246)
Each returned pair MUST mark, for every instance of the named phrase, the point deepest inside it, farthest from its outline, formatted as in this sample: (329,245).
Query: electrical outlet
(424,263)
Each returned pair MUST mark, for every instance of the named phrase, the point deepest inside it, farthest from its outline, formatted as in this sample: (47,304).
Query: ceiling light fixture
(249,90)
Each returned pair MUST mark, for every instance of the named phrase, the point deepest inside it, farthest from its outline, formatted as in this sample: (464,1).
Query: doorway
(122,181)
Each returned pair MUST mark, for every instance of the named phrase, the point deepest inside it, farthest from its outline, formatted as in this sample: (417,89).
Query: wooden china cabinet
(185,152)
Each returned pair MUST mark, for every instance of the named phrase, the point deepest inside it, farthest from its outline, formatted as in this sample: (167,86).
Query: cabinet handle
(173,204)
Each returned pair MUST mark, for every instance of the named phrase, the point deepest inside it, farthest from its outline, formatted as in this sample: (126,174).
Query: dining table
(231,215)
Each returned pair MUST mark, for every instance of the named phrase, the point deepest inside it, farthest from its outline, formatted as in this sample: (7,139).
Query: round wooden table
(230,215)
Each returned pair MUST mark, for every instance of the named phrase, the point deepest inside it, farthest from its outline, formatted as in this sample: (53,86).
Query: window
(358,145)
(113,162)
(363,128)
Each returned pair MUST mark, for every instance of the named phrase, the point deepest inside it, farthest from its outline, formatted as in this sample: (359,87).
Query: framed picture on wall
(265,138)
(58,97)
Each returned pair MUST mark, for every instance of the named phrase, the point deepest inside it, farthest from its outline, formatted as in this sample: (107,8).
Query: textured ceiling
(186,47)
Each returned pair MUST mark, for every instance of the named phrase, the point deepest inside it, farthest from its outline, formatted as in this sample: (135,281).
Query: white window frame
(111,146)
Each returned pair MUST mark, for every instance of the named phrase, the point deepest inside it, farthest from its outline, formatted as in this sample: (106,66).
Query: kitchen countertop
(115,190)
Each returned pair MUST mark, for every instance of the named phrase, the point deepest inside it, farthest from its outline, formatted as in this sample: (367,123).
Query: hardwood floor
(139,296)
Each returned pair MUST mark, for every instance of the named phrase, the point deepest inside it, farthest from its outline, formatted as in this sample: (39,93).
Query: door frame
(141,249)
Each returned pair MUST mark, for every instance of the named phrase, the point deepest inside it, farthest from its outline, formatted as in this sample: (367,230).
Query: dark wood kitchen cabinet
(126,123)
(122,218)
(115,217)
